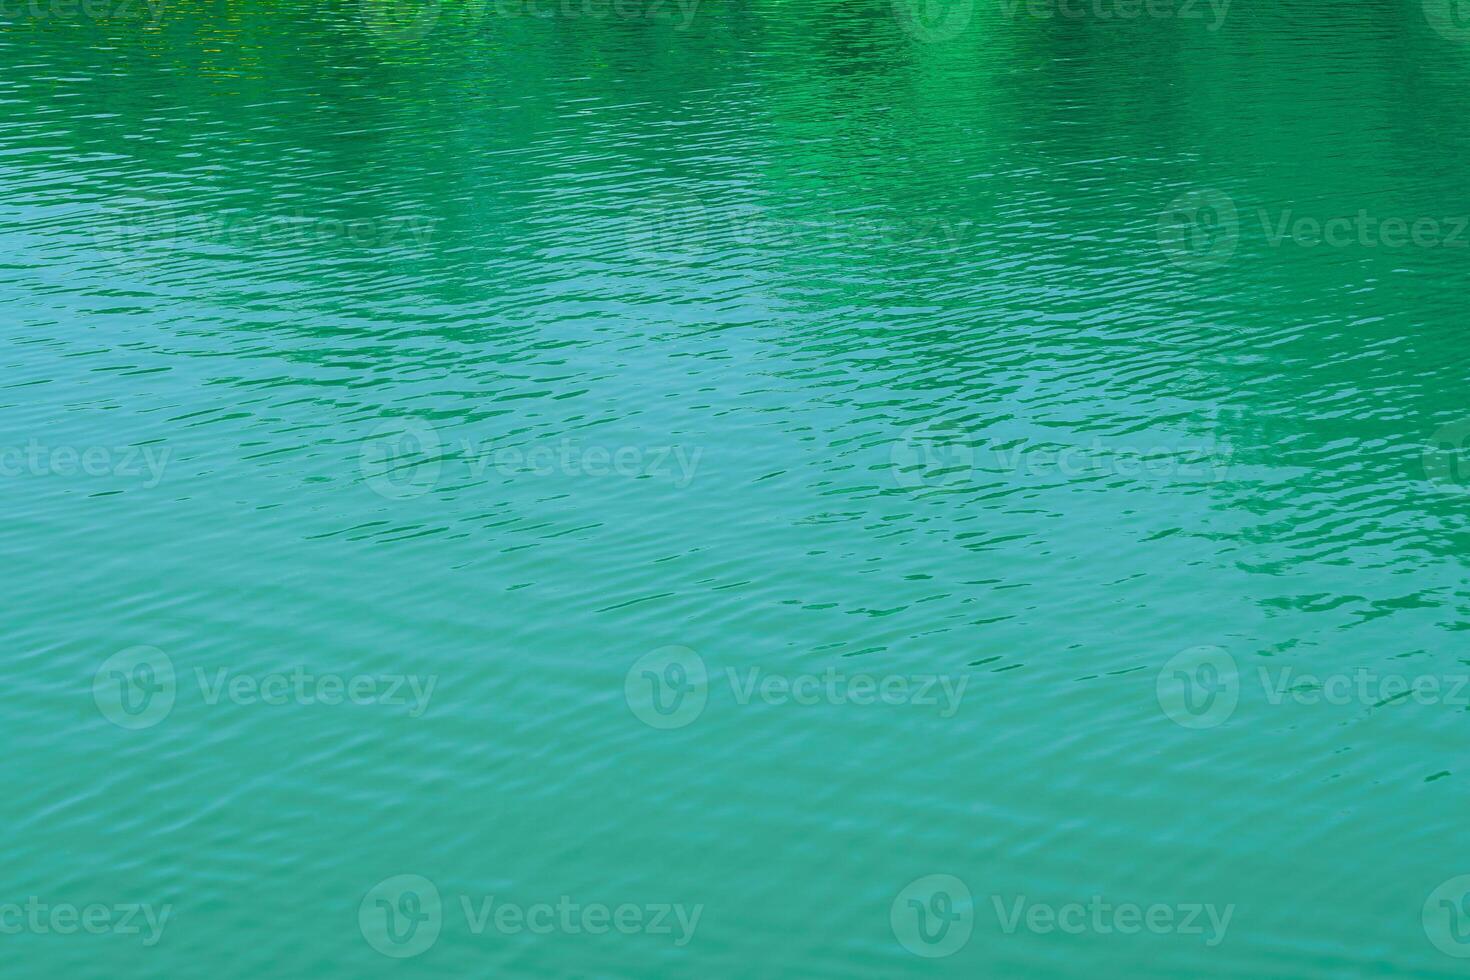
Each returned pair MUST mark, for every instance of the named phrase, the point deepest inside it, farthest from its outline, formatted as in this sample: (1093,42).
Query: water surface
(958,348)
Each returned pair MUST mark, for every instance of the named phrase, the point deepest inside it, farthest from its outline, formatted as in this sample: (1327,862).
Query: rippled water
(690,474)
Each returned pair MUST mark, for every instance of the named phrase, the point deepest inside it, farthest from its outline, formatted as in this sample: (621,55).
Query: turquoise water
(735,488)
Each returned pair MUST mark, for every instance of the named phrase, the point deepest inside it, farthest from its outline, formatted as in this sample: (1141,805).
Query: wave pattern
(1096,383)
